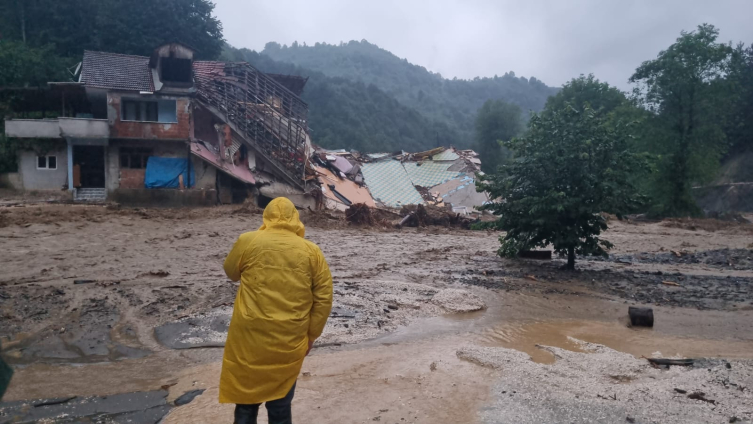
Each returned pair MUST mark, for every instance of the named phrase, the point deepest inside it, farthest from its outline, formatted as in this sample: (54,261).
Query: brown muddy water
(395,371)
(523,322)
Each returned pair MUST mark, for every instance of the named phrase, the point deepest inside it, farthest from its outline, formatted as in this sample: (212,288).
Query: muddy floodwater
(429,325)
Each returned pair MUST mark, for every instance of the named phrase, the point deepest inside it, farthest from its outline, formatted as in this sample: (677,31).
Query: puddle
(523,322)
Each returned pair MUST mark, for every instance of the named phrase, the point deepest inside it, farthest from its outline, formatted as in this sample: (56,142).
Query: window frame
(47,163)
(140,103)
(130,152)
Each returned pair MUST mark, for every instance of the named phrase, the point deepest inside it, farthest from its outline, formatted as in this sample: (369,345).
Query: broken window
(47,162)
(134,158)
(176,70)
(149,110)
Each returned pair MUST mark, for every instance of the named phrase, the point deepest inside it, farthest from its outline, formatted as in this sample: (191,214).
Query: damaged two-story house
(167,130)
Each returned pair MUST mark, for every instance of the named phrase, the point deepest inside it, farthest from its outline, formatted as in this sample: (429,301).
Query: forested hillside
(352,114)
(454,102)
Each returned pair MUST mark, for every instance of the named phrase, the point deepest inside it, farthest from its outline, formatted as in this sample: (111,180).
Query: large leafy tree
(23,65)
(687,90)
(578,92)
(568,169)
(740,124)
(497,121)
(132,27)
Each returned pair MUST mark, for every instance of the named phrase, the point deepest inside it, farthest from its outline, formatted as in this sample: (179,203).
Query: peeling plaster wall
(180,130)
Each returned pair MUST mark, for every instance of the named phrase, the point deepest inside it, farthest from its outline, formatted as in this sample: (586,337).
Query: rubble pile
(443,177)
(422,216)
(359,214)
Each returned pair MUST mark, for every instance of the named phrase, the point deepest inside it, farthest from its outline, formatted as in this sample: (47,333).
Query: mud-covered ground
(96,301)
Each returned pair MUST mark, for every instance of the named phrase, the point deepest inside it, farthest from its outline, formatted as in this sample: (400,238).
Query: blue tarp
(164,172)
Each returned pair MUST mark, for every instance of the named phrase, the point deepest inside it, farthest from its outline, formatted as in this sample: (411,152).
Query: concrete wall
(11,180)
(466,196)
(79,127)
(180,130)
(32,128)
(43,179)
(206,174)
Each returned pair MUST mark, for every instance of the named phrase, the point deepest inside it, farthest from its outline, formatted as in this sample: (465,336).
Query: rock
(457,300)
(188,397)
(641,317)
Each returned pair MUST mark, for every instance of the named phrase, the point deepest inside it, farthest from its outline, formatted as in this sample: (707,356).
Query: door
(90,161)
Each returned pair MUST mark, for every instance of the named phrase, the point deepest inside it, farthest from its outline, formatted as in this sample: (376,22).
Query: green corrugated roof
(429,173)
(446,155)
(390,184)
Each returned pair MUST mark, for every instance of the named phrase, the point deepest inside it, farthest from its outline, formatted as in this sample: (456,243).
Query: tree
(26,66)
(131,27)
(686,89)
(451,100)
(740,126)
(568,169)
(587,90)
(496,121)
(23,66)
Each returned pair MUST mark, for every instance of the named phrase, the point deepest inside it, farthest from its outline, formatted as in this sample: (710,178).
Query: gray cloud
(551,40)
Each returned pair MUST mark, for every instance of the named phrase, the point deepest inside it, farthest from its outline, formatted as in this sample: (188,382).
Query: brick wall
(148,130)
(132,178)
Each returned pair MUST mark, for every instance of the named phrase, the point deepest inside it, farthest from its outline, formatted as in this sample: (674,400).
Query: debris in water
(641,317)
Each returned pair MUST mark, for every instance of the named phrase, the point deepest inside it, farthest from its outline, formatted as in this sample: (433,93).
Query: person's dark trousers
(278,411)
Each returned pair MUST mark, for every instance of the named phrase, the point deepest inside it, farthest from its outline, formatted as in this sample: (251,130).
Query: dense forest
(354,115)
(454,102)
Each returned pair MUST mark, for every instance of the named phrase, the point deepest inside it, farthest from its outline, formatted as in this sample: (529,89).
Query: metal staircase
(262,111)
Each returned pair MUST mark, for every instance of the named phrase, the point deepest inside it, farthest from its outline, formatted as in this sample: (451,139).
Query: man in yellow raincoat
(282,305)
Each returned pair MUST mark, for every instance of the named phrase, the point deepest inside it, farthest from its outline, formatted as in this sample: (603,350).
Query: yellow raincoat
(283,301)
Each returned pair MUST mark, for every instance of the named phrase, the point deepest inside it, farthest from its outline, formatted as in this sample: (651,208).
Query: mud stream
(524,323)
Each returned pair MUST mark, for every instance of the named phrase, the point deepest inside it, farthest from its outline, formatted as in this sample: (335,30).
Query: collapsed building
(169,130)
(441,177)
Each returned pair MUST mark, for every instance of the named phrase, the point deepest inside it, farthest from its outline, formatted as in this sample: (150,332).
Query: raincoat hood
(281,214)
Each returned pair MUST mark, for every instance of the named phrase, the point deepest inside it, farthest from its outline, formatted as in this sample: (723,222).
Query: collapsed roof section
(441,176)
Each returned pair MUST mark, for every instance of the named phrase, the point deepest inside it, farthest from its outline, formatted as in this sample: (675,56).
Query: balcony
(57,128)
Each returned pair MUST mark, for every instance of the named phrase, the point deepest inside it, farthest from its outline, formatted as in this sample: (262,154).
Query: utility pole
(23,20)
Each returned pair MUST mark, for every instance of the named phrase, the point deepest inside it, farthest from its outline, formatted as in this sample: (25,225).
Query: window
(149,110)
(47,162)
(134,158)
(176,70)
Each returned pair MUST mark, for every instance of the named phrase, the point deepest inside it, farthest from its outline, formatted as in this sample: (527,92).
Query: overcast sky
(551,40)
